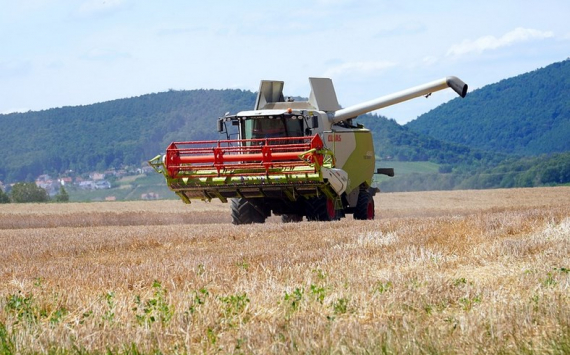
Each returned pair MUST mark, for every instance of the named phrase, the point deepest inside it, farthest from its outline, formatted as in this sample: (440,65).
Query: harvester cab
(291,158)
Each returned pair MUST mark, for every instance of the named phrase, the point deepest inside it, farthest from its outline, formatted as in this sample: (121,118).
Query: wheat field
(451,272)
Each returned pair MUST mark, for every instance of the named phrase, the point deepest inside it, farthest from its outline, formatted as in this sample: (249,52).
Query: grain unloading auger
(293,158)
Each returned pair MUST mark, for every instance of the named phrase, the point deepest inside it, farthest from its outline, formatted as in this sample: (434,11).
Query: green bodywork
(354,153)
(360,162)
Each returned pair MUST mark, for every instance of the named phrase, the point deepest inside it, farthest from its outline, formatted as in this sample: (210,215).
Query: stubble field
(436,272)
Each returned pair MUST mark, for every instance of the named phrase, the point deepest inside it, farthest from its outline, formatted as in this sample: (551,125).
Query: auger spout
(352,111)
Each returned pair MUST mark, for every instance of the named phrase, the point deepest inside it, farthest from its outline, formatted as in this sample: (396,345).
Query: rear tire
(320,209)
(246,212)
(291,218)
(364,209)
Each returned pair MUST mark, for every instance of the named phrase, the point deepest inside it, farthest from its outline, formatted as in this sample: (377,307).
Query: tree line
(28,192)
(544,170)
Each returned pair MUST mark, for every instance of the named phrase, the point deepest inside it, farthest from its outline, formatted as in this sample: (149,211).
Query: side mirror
(315,121)
(220,125)
(385,171)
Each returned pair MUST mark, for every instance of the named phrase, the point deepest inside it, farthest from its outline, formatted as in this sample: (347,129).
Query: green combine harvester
(294,159)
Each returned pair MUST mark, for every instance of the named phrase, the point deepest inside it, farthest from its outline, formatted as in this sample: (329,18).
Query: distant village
(91,181)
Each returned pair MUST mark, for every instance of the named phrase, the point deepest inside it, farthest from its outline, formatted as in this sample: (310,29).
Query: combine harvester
(294,159)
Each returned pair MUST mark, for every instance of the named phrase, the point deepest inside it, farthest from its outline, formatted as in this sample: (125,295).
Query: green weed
(110,300)
(22,306)
(294,299)
(459,282)
(243,265)
(318,292)
(235,304)
(468,302)
(383,287)
(198,300)
(549,281)
(155,308)
(6,344)
(340,306)
(25,309)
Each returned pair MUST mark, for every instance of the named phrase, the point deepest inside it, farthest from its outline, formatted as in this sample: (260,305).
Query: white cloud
(429,60)
(491,42)
(358,68)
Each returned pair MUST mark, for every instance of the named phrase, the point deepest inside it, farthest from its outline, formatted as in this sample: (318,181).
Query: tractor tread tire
(317,210)
(291,218)
(245,212)
(364,209)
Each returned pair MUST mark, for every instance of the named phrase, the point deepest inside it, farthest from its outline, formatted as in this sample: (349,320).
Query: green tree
(62,196)
(4,197)
(23,192)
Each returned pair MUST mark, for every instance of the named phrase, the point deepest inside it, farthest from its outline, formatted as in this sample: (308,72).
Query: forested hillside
(399,143)
(110,134)
(131,131)
(528,115)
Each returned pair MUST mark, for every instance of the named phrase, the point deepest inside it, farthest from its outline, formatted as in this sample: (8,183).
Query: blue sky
(57,53)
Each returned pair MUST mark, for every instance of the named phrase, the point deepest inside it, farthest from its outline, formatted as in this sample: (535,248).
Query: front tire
(320,209)
(364,209)
(246,212)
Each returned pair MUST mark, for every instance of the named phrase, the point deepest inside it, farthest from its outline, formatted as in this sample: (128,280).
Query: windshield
(272,127)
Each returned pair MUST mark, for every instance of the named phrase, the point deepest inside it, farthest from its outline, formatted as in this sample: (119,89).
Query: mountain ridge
(130,131)
(528,114)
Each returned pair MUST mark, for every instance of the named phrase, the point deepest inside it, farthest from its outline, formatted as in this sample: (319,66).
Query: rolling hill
(476,142)
(131,131)
(526,115)
(110,134)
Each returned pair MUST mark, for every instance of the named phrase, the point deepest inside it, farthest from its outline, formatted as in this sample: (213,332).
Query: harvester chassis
(292,159)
